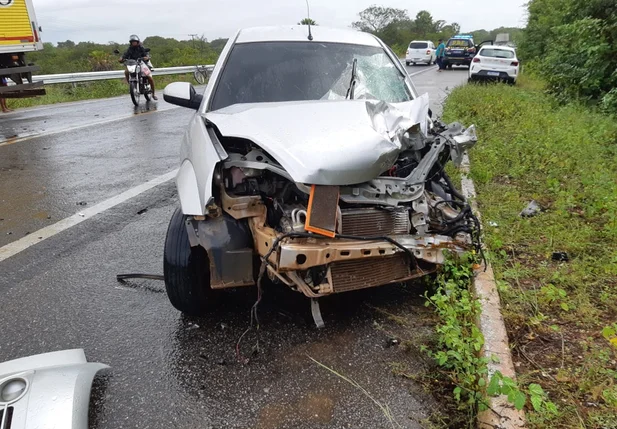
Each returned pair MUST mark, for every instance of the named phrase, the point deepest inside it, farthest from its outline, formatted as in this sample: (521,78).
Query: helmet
(134,38)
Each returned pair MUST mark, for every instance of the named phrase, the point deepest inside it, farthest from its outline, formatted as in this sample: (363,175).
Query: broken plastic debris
(532,209)
(393,342)
(560,257)
(81,214)
(493,224)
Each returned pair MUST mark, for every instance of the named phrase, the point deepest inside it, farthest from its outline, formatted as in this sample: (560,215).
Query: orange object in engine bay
(322,210)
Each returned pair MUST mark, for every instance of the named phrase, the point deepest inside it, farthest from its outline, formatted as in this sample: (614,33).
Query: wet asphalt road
(169,371)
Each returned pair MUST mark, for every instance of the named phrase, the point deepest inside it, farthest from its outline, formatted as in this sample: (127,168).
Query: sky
(115,20)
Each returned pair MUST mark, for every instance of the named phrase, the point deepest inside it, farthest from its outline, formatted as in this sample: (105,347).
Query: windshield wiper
(354,80)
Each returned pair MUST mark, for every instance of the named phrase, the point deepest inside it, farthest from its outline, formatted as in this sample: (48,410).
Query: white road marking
(423,71)
(29,240)
(78,127)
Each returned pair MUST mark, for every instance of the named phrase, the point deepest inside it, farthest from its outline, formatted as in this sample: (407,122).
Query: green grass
(565,158)
(62,93)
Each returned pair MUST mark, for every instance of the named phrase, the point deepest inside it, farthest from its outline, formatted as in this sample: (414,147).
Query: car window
(460,43)
(418,45)
(496,53)
(300,71)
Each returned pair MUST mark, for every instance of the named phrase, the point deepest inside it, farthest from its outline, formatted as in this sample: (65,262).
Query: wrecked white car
(312,160)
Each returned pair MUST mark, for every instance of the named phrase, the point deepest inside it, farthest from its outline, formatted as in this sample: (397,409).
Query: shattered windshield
(302,71)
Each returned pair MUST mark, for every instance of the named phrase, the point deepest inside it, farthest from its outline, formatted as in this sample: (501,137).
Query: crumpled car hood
(326,142)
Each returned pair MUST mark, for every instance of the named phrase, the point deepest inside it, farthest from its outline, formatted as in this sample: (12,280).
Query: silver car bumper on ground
(50,391)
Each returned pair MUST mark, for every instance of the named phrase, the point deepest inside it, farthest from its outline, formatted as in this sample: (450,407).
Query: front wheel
(134,93)
(186,270)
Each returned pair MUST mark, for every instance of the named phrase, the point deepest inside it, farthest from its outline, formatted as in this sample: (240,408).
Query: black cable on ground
(122,277)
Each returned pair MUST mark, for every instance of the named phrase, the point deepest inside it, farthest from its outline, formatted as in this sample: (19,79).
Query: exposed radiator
(376,222)
(365,273)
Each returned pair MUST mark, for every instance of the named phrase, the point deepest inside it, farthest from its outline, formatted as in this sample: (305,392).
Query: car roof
(421,41)
(299,33)
(504,48)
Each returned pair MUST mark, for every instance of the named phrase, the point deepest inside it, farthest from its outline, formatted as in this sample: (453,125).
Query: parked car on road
(460,50)
(311,161)
(420,51)
(495,63)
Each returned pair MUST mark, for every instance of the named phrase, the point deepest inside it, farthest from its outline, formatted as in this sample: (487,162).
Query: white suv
(495,63)
(420,51)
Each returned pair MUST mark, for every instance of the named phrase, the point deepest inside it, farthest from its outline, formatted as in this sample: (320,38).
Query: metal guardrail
(113,74)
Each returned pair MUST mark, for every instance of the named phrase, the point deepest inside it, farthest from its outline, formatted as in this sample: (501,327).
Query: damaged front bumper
(312,264)
(319,266)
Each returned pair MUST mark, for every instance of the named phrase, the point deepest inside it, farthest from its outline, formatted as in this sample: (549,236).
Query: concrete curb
(502,414)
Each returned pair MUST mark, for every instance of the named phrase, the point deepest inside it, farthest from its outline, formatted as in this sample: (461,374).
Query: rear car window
(496,53)
(418,45)
(460,43)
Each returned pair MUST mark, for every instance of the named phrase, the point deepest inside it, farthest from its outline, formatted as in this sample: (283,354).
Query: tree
(101,61)
(572,43)
(375,19)
(67,44)
(307,21)
(423,24)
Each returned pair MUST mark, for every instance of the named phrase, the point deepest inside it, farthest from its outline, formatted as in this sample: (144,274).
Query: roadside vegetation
(571,45)
(556,270)
(552,139)
(71,57)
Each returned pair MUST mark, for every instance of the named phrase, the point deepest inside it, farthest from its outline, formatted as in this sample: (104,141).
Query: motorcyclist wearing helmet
(135,52)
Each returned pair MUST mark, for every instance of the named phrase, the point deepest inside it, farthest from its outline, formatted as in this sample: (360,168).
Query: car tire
(450,66)
(413,64)
(186,270)
(407,63)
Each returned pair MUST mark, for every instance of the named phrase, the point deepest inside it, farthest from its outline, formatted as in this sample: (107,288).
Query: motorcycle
(138,79)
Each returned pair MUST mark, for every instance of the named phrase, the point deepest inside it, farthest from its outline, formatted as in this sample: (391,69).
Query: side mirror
(430,113)
(116,51)
(182,94)
(147,49)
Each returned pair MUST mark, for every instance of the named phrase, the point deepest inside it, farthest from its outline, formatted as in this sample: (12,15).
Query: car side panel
(199,155)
